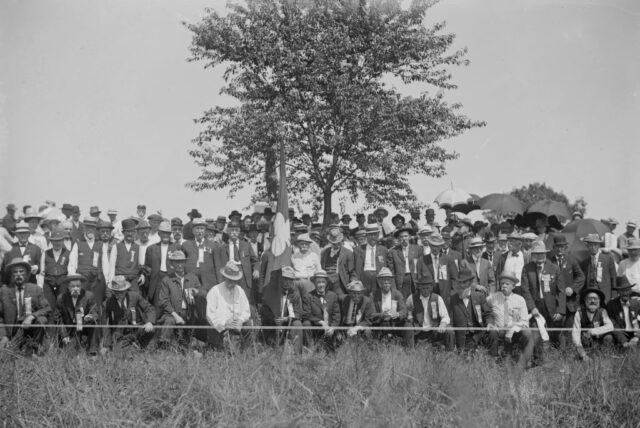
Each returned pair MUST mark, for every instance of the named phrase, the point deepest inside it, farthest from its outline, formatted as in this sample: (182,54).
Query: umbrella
(576,230)
(529,220)
(549,208)
(452,197)
(502,204)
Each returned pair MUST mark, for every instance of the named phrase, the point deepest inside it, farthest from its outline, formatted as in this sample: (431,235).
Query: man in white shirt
(623,240)
(610,239)
(428,313)
(591,323)
(143,228)
(116,233)
(228,307)
(513,260)
(511,320)
(176,231)
(630,267)
(154,223)
(423,234)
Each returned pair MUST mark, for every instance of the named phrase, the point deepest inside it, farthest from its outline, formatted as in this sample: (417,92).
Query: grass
(372,385)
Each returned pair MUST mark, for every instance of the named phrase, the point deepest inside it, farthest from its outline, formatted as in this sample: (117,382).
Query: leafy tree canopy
(537,191)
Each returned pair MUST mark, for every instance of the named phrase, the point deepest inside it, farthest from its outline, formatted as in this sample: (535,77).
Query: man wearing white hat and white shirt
(483,270)
(610,239)
(116,233)
(36,237)
(513,260)
(227,306)
(623,240)
(527,242)
(423,234)
(630,267)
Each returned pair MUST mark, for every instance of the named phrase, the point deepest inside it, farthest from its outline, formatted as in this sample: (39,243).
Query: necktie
(236,253)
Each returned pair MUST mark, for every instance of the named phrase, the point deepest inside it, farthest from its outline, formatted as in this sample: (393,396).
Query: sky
(97,101)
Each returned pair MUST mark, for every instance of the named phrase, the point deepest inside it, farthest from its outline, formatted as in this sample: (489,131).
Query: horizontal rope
(300,327)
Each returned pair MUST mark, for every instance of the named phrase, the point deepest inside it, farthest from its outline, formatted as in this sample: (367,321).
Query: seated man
(623,312)
(356,310)
(289,311)
(77,306)
(591,322)
(428,311)
(228,308)
(469,309)
(127,309)
(22,302)
(511,320)
(389,308)
(177,301)
(323,310)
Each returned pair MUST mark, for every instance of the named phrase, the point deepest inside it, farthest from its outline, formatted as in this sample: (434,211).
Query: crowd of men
(462,285)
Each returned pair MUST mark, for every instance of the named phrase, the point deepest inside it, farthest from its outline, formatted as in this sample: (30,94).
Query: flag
(281,243)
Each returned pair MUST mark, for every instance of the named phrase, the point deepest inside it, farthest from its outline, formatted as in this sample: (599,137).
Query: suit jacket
(248,263)
(359,257)
(573,277)
(171,293)
(365,308)
(297,299)
(77,232)
(401,307)
(608,274)
(495,262)
(456,255)
(346,265)
(9,307)
(445,285)
(153,261)
(396,262)
(481,313)
(554,295)
(616,313)
(34,254)
(207,272)
(315,311)
(485,275)
(66,311)
(134,302)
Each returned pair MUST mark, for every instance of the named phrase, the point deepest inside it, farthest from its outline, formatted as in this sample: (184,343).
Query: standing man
(141,212)
(630,267)
(35,233)
(623,240)
(370,259)
(187,230)
(490,252)
(176,232)
(95,213)
(154,222)
(22,302)
(9,221)
(380,214)
(338,262)
(414,221)
(77,232)
(125,256)
(25,250)
(513,259)
(54,266)
(143,229)
(483,270)
(158,263)
(200,261)
(403,262)
(600,268)
(430,217)
(116,233)
(361,220)
(439,268)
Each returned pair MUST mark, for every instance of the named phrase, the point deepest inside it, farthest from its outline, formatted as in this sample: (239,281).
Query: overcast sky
(97,101)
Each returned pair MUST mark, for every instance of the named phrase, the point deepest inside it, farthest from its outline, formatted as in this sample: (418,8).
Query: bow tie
(20,287)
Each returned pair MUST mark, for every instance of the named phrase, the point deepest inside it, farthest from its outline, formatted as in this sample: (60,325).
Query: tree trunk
(326,216)
(270,175)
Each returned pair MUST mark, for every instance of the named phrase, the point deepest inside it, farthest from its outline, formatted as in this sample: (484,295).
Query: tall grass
(362,384)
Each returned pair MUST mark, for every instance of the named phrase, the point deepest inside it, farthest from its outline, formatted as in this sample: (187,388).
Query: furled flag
(281,243)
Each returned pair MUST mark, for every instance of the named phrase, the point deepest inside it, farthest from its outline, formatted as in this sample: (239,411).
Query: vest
(53,268)
(86,255)
(127,261)
(418,309)
(332,262)
(597,319)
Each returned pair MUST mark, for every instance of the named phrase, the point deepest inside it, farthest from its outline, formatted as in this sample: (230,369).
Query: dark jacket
(9,307)
(554,297)
(315,312)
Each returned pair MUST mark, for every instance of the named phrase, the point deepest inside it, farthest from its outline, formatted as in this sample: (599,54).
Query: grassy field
(361,385)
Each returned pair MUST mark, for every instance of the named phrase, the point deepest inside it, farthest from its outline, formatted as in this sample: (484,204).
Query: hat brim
(384,212)
(231,277)
(586,291)
(125,288)
(24,264)
(335,240)
(70,278)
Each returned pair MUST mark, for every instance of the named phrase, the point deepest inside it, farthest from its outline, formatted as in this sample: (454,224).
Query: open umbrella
(502,204)
(457,200)
(549,208)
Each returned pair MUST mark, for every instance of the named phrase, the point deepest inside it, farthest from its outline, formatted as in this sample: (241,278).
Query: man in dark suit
(127,308)
(158,263)
(403,261)
(469,309)
(356,310)
(54,267)
(623,312)
(323,309)
(490,253)
(600,268)
(77,227)
(390,309)
(242,254)
(446,249)
(573,280)
(370,258)
(125,257)
(543,288)
(338,262)
(76,306)
(200,259)
(23,303)
(481,267)
(441,268)
(25,250)
(187,230)
(177,301)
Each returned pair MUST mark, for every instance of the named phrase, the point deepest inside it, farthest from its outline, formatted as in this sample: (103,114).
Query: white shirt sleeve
(575,331)
(106,262)
(73,260)
(410,308)
(216,310)
(444,314)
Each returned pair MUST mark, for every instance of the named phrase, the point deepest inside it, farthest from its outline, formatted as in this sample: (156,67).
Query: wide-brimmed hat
(509,276)
(102,224)
(502,237)
(346,218)
(176,221)
(90,221)
(631,223)
(194,213)
(143,224)
(435,239)
(198,222)
(489,238)
(112,211)
(231,271)
(360,233)
(67,279)
(425,230)
(15,262)
(57,234)
(128,224)
(515,236)
(592,238)
(22,227)
(303,237)
(119,283)
(94,211)
(267,211)
(538,247)
(476,242)
(177,256)
(141,207)
(398,217)
(154,217)
(165,226)
(66,207)
(622,283)
(381,210)
(403,229)
(373,229)
(465,275)
(31,213)
(633,244)
(424,281)
(385,272)
(335,236)
(589,290)
(288,272)
(234,213)
(560,240)
(355,286)
(529,236)
(319,274)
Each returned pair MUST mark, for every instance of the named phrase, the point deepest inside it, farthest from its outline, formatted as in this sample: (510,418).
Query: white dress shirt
(631,270)
(514,265)
(370,258)
(164,249)
(224,305)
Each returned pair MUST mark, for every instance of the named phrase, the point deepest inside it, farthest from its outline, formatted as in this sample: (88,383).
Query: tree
(537,191)
(311,73)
